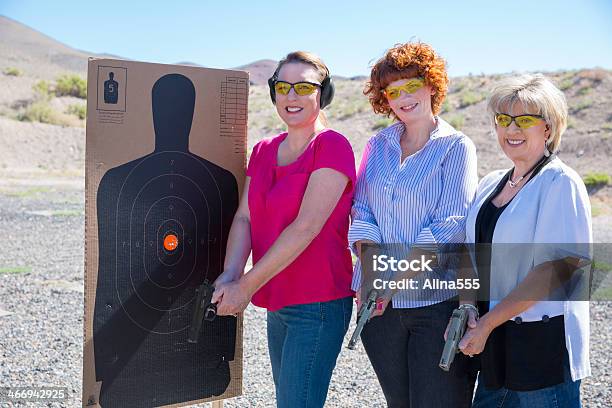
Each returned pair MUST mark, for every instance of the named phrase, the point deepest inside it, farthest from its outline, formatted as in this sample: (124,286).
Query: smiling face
(518,144)
(296,110)
(412,107)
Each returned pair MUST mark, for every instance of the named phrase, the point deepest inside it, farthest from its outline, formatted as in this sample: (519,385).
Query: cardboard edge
(122,60)
(92,64)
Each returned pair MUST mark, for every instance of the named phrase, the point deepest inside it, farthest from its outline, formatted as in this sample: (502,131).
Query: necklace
(513,183)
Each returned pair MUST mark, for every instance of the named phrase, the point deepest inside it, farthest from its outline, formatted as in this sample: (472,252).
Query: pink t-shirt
(323,271)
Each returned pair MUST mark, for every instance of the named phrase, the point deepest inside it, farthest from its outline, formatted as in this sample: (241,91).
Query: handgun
(456,329)
(203,310)
(365,311)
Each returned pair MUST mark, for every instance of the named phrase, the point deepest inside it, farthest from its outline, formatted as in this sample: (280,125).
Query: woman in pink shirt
(294,216)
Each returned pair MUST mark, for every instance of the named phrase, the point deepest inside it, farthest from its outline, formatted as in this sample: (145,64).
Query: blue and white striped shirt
(422,201)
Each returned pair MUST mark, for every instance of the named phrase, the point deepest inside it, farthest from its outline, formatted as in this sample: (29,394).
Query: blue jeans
(564,395)
(304,342)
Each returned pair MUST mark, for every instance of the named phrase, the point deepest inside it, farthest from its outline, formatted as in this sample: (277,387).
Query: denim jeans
(564,395)
(304,342)
(405,346)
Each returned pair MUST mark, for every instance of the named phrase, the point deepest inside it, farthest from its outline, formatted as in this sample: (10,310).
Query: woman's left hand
(474,340)
(231,298)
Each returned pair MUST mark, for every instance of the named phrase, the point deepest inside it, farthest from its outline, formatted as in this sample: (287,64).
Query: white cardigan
(553,207)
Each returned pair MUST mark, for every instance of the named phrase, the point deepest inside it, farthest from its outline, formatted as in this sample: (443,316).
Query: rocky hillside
(42,109)
(28,50)
(586,145)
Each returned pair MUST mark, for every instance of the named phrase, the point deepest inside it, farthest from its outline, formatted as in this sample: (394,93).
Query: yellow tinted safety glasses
(413,85)
(301,88)
(521,121)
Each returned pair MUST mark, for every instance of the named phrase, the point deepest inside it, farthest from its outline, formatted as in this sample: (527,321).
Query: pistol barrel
(365,311)
(455,333)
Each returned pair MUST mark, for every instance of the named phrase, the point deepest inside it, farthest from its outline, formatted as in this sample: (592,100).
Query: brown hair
(406,61)
(305,57)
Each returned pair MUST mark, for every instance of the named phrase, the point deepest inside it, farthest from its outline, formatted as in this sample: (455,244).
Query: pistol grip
(210,312)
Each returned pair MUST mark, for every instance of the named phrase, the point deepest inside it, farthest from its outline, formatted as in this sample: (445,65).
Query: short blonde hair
(532,91)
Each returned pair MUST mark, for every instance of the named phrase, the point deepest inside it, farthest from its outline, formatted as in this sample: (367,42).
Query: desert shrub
(458,87)
(582,105)
(12,71)
(470,98)
(41,111)
(350,109)
(583,90)
(595,180)
(78,110)
(446,106)
(42,89)
(566,84)
(382,123)
(71,85)
(15,269)
(457,121)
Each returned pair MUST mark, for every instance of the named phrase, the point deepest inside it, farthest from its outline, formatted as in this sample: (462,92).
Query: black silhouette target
(165,205)
(163,222)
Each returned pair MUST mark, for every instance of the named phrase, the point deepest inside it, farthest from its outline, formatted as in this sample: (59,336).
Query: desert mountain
(50,134)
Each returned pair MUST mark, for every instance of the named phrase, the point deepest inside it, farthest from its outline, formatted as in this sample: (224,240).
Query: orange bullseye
(170,242)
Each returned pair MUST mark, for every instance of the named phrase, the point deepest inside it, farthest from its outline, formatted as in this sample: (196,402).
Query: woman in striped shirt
(415,184)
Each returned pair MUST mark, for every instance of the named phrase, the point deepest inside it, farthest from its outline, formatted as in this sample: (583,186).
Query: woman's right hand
(381,304)
(471,323)
(227,276)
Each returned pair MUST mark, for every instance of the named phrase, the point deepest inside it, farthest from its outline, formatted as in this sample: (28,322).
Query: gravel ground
(41,310)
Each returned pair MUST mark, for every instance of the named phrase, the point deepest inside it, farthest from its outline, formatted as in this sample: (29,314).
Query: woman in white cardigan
(534,350)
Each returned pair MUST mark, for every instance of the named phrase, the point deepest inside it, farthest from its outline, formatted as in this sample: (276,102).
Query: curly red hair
(407,61)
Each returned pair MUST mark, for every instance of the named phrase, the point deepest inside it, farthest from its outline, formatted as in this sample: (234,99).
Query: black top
(484,233)
(490,215)
(518,355)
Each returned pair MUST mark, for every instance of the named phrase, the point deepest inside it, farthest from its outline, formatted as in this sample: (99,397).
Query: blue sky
(473,36)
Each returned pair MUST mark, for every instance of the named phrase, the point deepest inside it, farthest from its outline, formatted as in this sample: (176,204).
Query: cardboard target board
(165,164)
